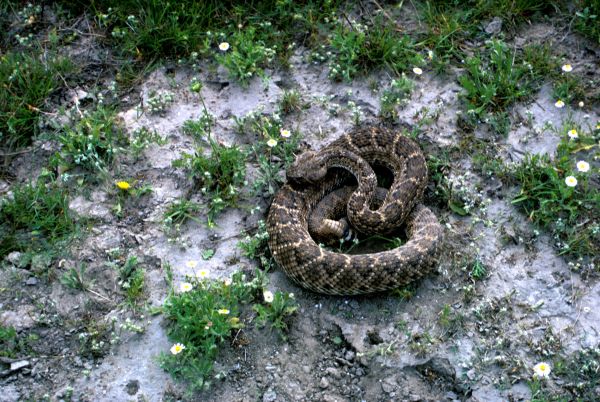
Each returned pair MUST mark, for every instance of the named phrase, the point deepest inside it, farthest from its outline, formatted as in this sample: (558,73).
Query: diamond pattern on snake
(334,191)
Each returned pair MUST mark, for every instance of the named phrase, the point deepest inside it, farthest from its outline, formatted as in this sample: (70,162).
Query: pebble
(324,383)
(332,371)
(349,355)
(32,281)
(14,366)
(306,369)
(269,396)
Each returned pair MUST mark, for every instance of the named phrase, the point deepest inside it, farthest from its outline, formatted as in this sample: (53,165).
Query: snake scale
(342,173)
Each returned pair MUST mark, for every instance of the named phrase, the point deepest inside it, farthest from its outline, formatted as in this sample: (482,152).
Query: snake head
(308,168)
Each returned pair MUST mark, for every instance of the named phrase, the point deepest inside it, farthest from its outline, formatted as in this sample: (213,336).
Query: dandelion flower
(541,370)
(417,71)
(177,348)
(186,287)
(268,296)
(224,46)
(271,143)
(572,134)
(571,181)
(203,273)
(285,133)
(583,166)
(567,68)
(123,185)
(191,264)
(223,311)
(559,104)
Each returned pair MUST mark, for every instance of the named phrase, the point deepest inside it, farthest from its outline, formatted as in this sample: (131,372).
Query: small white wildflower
(541,370)
(224,46)
(583,166)
(571,181)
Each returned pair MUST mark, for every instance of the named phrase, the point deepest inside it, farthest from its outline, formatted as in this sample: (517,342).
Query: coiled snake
(308,202)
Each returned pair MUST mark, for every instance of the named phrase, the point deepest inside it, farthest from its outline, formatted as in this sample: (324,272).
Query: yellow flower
(186,287)
(583,166)
(567,68)
(223,311)
(203,273)
(123,185)
(285,133)
(191,264)
(571,181)
(572,134)
(417,71)
(559,104)
(541,370)
(268,296)
(271,143)
(234,320)
(177,348)
(224,46)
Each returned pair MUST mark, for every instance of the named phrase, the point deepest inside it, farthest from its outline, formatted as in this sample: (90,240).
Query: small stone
(14,258)
(414,398)
(306,369)
(19,365)
(387,388)
(269,396)
(451,395)
(471,374)
(332,371)
(494,27)
(324,383)
(31,281)
(132,387)
(349,355)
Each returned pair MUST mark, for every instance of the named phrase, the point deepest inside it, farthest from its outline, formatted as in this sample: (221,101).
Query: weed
(199,129)
(201,318)
(493,87)
(131,280)
(179,211)
(221,175)
(478,270)
(398,94)
(276,309)
(290,101)
(142,138)
(587,19)
(570,213)
(358,48)
(8,341)
(35,218)
(158,103)
(247,56)
(404,293)
(256,245)
(75,279)
(92,142)
(27,81)
(452,321)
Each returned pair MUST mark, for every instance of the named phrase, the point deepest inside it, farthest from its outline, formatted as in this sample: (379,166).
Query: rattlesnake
(312,182)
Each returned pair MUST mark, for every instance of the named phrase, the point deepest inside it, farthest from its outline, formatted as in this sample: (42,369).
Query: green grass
(358,49)
(570,213)
(221,175)
(587,19)
(35,218)
(27,80)
(495,80)
(91,142)
(203,315)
